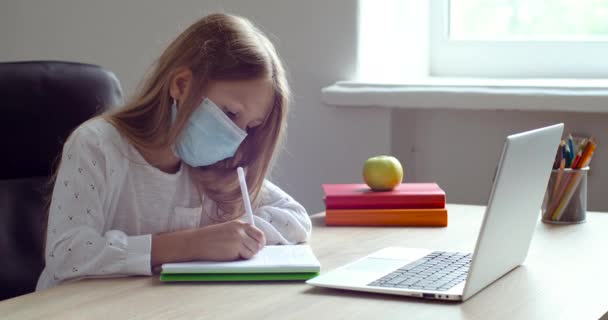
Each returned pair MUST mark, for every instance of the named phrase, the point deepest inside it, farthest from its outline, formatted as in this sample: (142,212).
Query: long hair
(218,47)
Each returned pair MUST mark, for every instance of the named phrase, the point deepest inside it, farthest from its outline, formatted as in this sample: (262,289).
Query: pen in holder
(566,197)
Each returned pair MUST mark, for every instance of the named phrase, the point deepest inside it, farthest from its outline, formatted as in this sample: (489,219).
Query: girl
(155,181)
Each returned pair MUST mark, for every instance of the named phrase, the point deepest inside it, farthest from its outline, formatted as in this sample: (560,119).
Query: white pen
(245,192)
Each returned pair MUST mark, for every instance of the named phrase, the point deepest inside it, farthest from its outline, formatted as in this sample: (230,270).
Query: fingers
(249,248)
(256,234)
(253,241)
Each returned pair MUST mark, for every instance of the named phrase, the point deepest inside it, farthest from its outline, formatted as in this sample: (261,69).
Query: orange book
(387,217)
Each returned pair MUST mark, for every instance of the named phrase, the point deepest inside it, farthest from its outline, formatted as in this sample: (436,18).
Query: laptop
(512,213)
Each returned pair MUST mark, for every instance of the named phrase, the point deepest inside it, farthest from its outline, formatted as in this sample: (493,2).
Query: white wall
(316,38)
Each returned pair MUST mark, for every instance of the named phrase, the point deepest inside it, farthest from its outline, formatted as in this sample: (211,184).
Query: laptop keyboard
(438,271)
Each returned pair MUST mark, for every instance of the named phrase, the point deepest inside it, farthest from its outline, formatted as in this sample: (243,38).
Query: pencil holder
(566,197)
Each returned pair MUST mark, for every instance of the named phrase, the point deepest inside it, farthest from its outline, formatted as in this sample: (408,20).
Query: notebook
(404,196)
(282,262)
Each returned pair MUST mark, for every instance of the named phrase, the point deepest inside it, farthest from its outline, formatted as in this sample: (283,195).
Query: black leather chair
(41,103)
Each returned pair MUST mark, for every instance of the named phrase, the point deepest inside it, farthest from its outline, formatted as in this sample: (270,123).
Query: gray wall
(317,39)
(460,148)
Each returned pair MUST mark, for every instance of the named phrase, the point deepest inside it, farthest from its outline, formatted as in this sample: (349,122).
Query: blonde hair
(218,47)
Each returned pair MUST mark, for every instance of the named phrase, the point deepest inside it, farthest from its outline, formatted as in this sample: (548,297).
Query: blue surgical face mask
(209,136)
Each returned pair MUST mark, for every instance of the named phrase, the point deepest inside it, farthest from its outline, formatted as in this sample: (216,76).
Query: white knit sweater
(108,201)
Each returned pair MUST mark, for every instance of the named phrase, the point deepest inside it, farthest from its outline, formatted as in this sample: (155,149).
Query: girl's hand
(225,241)
(221,242)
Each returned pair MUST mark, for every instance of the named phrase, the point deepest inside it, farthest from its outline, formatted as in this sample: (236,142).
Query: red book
(404,196)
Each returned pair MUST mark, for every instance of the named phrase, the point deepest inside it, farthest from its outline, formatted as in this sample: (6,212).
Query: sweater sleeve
(76,244)
(282,219)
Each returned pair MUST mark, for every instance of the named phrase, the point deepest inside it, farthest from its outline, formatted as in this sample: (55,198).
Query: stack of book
(409,204)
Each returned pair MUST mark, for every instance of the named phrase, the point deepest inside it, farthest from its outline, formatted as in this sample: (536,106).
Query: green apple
(382,173)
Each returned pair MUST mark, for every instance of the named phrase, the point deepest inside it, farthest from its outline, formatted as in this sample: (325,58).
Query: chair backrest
(41,103)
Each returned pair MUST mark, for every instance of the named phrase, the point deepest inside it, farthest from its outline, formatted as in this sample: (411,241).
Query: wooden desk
(564,277)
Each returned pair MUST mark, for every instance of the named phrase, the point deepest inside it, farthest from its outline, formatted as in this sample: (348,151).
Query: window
(528,20)
(519,38)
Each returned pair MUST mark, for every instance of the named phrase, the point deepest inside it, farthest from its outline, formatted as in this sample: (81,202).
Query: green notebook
(273,263)
(237,276)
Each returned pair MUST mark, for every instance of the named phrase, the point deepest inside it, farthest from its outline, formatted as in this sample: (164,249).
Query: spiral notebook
(283,262)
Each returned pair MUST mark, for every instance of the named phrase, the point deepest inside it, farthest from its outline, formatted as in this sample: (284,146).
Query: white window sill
(576,95)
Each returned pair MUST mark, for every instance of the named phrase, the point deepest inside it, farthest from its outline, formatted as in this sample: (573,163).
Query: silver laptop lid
(514,205)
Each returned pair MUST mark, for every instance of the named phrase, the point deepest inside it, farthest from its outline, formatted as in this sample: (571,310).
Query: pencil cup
(566,197)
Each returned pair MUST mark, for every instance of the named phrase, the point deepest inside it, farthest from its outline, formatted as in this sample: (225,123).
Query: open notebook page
(271,259)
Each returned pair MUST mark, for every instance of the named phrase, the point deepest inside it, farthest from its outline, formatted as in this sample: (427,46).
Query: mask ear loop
(173,109)
(173,117)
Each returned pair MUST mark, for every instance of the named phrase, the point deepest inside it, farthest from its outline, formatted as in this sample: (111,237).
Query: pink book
(404,196)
